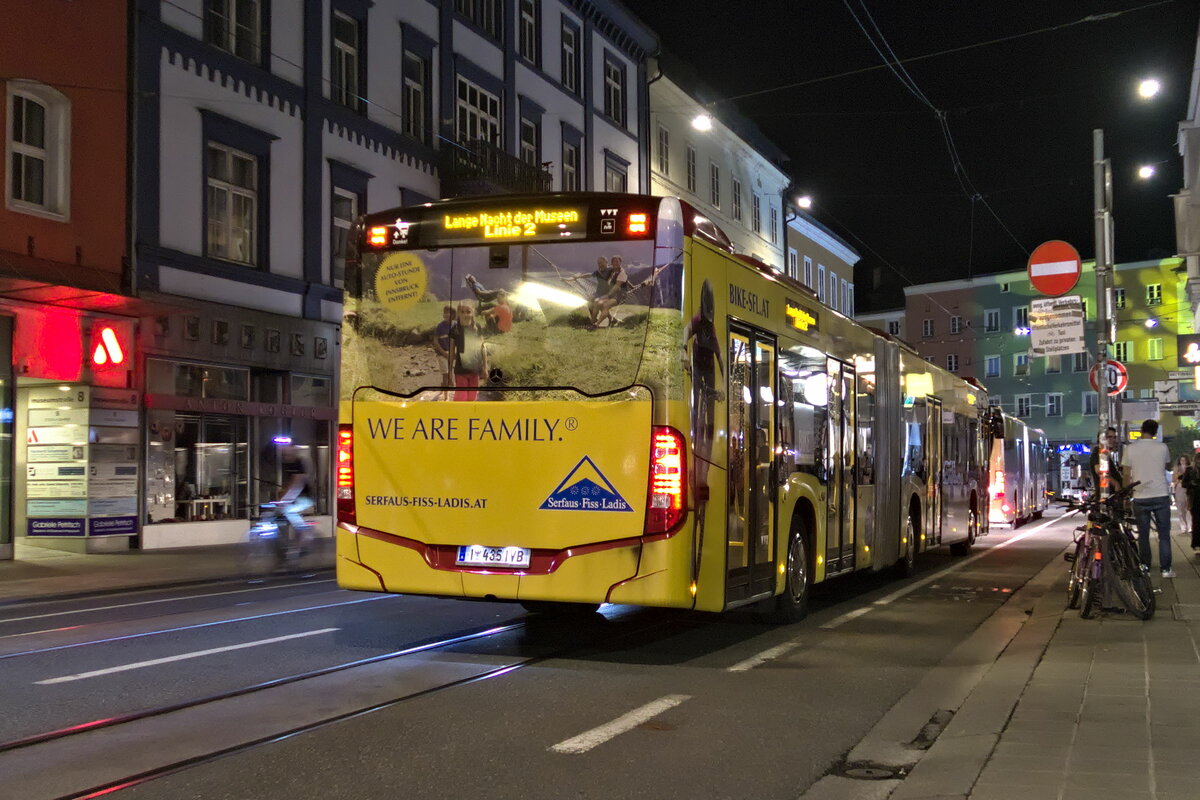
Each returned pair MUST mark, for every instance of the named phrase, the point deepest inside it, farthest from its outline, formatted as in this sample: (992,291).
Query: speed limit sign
(1115,373)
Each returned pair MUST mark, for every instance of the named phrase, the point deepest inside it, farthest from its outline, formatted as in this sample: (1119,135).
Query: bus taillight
(998,484)
(377,235)
(667,501)
(345,474)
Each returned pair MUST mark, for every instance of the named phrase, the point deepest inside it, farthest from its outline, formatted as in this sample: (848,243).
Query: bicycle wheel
(1076,575)
(1132,584)
(260,551)
(1092,586)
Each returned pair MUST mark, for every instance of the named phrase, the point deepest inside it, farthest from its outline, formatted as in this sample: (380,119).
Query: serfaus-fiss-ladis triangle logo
(586,489)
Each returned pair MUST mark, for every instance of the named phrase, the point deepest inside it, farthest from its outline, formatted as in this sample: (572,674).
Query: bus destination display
(536,224)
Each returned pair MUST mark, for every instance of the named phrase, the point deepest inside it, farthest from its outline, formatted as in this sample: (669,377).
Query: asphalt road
(627,703)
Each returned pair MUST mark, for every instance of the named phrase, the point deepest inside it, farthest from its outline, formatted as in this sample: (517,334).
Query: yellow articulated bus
(574,399)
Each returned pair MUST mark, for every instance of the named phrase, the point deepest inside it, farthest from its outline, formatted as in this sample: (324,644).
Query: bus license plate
(476,555)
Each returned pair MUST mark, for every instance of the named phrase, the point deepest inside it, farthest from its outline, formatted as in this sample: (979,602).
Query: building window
(929,359)
(808,272)
(690,162)
(996,401)
(529,31)
(991,320)
(38,145)
(1004,287)
(820,281)
(570,167)
(737,200)
(1154,350)
(232,205)
(483,14)
(1054,405)
(415,96)
(956,324)
(992,367)
(831,297)
(1119,298)
(1021,317)
(616,173)
(343,211)
(478,115)
(774,225)
(845,297)
(344,72)
(235,26)
(664,152)
(1121,351)
(893,327)
(714,184)
(755,214)
(792,263)
(531,146)
(927,328)
(1020,364)
(1081,362)
(1053,365)
(1023,405)
(570,56)
(851,309)
(952,362)
(614,89)
(1091,404)
(1154,294)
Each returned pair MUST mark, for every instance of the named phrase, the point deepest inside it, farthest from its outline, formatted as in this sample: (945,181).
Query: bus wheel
(550,608)
(907,565)
(962,548)
(792,604)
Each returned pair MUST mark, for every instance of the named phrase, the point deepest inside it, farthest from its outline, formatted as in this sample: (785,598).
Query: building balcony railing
(480,167)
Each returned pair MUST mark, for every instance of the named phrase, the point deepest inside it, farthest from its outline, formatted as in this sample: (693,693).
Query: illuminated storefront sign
(503,225)
(801,318)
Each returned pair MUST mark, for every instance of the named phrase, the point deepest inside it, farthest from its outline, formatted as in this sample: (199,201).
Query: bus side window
(807,394)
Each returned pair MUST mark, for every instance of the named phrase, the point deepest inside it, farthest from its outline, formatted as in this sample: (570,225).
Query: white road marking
(154,662)
(163,600)
(112,639)
(912,587)
(622,724)
(764,656)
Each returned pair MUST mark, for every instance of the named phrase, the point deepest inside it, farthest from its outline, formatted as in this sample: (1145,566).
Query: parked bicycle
(273,544)
(1105,570)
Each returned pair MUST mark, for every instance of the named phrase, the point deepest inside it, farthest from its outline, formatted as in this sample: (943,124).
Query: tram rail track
(176,765)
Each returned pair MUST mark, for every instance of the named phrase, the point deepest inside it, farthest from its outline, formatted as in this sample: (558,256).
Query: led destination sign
(508,225)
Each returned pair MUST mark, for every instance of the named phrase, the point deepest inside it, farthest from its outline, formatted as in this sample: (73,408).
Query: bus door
(750,564)
(841,502)
(933,476)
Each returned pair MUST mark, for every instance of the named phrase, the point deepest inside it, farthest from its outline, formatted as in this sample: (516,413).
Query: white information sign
(1056,326)
(49,453)
(56,508)
(39,417)
(72,487)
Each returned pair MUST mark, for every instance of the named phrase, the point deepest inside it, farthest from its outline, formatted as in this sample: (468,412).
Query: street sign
(1054,268)
(1117,377)
(1056,326)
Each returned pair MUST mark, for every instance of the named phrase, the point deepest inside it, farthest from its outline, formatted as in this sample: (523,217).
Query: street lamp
(804,201)
(702,122)
(1149,88)
(1146,172)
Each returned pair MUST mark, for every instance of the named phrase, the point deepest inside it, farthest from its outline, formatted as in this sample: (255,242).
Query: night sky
(1021,113)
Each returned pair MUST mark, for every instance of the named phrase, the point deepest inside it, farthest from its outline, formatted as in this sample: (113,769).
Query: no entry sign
(1054,268)
(1116,376)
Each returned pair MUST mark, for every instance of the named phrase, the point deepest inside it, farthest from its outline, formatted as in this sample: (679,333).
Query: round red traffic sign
(1117,377)
(1054,268)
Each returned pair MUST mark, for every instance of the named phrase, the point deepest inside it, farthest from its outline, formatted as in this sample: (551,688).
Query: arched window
(38,139)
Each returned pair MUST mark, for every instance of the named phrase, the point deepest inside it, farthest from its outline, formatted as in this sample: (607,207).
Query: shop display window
(197,468)
(197,380)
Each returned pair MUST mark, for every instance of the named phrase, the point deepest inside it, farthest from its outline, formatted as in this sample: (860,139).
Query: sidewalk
(1112,709)
(38,573)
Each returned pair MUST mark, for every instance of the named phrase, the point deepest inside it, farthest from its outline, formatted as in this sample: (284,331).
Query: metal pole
(1102,189)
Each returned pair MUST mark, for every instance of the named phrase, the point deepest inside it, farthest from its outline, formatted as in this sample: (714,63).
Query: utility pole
(1102,191)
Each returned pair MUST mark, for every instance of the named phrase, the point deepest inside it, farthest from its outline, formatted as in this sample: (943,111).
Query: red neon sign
(108,349)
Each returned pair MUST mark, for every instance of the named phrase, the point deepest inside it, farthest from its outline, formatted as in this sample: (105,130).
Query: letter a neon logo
(108,350)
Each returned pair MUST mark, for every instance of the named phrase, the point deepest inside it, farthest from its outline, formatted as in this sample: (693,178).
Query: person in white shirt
(1147,461)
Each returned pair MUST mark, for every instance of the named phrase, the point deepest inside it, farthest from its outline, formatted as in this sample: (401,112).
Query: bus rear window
(464,322)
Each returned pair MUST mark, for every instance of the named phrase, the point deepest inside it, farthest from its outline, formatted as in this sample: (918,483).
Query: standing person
(1191,482)
(1146,462)
(467,354)
(441,343)
(1181,493)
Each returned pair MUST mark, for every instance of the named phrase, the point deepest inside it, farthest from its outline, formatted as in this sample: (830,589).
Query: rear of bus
(534,464)
(1003,488)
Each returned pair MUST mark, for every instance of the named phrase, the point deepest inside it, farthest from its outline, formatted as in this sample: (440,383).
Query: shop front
(219,406)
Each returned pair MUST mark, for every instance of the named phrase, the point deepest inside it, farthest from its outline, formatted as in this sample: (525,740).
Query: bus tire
(792,604)
(964,547)
(906,567)
(553,609)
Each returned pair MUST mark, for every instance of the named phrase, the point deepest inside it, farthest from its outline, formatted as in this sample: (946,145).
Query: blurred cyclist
(297,495)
